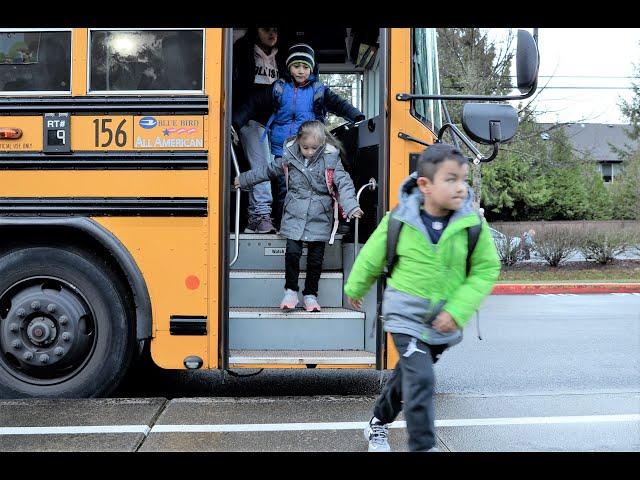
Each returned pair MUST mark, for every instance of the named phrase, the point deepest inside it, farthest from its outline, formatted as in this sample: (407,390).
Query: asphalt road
(552,373)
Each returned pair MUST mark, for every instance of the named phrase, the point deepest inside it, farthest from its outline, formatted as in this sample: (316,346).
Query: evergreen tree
(566,180)
(631,110)
(469,62)
(625,190)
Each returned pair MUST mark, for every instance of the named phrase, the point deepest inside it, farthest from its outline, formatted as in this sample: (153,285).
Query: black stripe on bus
(104,207)
(187,325)
(197,104)
(105,161)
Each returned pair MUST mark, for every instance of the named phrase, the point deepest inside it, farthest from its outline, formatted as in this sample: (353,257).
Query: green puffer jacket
(427,278)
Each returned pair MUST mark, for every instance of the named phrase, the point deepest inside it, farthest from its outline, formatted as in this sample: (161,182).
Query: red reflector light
(10,133)
(192,282)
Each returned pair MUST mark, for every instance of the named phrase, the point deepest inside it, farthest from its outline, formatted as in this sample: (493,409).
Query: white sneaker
(377,436)
(311,303)
(290,300)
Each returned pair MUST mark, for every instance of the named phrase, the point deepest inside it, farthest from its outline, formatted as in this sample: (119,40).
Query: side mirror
(489,123)
(527,62)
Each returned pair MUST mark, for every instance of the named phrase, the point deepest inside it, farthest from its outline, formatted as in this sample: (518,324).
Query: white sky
(584,57)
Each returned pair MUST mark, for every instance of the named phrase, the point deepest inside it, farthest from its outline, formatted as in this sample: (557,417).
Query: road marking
(289,427)
(75,430)
(466,422)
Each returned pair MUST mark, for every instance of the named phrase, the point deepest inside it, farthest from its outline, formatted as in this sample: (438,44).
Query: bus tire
(65,328)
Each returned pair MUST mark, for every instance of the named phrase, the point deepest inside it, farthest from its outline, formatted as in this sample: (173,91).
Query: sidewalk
(564,287)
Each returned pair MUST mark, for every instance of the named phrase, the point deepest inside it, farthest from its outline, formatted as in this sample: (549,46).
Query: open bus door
(254,334)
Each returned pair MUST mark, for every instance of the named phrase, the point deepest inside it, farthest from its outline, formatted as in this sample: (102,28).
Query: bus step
(252,288)
(243,358)
(266,252)
(273,329)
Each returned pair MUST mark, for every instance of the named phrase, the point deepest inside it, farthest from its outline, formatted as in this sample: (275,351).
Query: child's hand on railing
(236,183)
(234,136)
(357,213)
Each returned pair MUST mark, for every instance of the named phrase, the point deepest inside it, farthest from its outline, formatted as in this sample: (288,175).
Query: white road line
(289,427)
(466,422)
(75,430)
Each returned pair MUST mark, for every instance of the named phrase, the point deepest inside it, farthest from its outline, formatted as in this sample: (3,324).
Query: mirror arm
(405,97)
(409,138)
(478,156)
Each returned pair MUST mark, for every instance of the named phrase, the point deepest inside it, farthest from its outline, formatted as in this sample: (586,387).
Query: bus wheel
(64,327)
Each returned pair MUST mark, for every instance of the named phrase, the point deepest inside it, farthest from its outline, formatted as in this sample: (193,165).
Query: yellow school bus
(120,234)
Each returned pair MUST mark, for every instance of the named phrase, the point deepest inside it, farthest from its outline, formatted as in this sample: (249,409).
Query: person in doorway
(429,296)
(258,62)
(299,96)
(317,185)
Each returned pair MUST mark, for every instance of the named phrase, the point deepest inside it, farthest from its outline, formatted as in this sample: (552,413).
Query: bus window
(146,60)
(348,86)
(35,61)
(425,77)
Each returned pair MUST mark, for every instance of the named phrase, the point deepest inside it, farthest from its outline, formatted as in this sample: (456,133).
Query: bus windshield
(425,77)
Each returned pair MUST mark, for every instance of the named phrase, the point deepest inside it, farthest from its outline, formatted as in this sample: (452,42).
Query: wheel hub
(41,331)
(47,331)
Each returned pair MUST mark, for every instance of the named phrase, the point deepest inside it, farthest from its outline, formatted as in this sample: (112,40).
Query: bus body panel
(401,120)
(97,183)
(171,253)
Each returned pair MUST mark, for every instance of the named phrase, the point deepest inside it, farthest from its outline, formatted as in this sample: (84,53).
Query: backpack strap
(393,232)
(338,211)
(276,91)
(473,233)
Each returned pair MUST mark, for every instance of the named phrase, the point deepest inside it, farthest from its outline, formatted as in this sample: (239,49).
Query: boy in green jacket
(429,298)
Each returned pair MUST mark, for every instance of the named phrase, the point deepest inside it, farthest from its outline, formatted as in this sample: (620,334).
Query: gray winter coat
(308,213)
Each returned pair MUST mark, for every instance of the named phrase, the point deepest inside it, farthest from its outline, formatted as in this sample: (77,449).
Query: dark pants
(410,388)
(279,192)
(314,265)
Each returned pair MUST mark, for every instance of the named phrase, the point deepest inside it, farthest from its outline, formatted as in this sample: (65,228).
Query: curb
(574,288)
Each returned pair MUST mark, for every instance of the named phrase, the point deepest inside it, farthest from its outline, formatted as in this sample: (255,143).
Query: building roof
(594,138)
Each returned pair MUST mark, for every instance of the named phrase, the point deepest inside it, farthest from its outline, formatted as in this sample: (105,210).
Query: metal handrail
(372,186)
(238,192)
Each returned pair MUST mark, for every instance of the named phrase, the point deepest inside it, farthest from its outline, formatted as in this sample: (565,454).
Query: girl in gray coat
(317,186)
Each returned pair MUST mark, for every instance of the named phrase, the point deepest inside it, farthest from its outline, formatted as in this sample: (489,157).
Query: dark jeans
(314,265)
(279,192)
(410,388)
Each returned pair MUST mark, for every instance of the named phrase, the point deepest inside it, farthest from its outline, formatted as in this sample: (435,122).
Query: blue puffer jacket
(296,107)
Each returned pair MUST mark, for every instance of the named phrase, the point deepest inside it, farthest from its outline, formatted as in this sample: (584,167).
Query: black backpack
(393,232)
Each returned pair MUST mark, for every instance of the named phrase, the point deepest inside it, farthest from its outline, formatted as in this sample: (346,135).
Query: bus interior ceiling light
(124,44)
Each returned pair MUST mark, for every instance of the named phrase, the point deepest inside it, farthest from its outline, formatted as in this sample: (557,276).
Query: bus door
(255,333)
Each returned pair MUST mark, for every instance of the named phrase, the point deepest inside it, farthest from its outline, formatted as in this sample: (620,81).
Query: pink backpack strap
(337,208)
